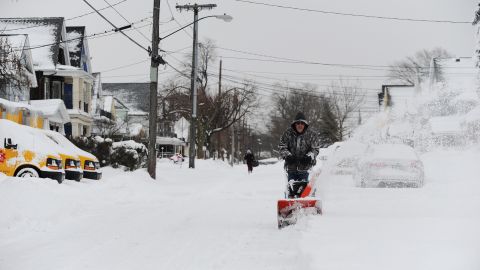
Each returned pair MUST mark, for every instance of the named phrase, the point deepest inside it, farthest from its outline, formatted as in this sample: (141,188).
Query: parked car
(71,161)
(389,165)
(26,152)
(324,153)
(344,158)
(88,162)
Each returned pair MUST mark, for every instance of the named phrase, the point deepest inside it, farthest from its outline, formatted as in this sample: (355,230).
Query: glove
(306,160)
(290,159)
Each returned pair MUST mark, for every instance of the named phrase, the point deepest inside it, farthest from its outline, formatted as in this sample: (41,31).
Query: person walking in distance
(249,158)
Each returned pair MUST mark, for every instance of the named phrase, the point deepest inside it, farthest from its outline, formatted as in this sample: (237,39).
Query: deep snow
(219,217)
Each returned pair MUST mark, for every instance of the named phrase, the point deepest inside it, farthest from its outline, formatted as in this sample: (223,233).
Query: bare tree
(287,103)
(108,128)
(345,99)
(329,126)
(415,69)
(217,110)
(13,71)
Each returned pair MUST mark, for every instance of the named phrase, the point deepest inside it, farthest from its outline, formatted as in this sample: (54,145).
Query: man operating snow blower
(299,146)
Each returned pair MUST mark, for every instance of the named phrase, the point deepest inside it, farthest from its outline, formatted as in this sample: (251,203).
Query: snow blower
(299,201)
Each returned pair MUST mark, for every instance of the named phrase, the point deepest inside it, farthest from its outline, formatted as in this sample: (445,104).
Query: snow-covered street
(218,217)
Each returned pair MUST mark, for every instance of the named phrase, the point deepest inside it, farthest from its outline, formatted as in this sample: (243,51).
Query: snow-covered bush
(99,147)
(129,154)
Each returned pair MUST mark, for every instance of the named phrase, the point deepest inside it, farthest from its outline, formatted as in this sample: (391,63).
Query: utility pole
(155,61)
(220,79)
(193,84)
(219,99)
(233,145)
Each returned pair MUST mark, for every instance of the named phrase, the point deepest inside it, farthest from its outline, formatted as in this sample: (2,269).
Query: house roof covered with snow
(134,95)
(45,35)
(53,109)
(459,73)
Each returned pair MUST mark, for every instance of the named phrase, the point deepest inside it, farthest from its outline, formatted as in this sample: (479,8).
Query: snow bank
(220,217)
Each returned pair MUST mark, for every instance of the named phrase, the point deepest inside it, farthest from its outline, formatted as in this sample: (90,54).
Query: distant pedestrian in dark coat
(250,159)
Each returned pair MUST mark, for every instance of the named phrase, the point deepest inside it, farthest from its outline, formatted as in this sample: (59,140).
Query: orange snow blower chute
(289,209)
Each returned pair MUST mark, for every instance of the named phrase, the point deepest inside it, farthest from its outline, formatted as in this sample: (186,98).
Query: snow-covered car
(389,165)
(344,159)
(26,152)
(71,161)
(324,153)
(89,163)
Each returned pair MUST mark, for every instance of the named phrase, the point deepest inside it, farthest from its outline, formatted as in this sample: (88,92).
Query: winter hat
(300,117)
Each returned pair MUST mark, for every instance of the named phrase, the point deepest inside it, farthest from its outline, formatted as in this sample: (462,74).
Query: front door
(68,97)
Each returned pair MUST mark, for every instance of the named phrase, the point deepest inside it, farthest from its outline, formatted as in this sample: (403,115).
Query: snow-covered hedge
(99,147)
(130,154)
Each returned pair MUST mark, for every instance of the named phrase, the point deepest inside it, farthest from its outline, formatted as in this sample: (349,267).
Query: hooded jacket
(299,144)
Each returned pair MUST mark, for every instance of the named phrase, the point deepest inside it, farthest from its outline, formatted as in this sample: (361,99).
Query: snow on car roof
(350,148)
(28,138)
(66,144)
(446,124)
(391,151)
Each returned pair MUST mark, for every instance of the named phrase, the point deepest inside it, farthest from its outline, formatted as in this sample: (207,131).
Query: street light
(224,17)
(193,82)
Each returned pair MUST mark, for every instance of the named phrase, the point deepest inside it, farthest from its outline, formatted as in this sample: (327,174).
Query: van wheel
(27,172)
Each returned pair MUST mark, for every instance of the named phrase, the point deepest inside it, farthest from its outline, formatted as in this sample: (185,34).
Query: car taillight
(54,164)
(70,164)
(417,164)
(377,164)
(89,165)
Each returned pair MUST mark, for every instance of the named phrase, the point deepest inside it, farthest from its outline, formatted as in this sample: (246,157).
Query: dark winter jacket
(298,145)
(249,158)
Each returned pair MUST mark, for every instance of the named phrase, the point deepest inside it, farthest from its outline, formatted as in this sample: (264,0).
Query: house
(135,97)
(138,126)
(57,76)
(21,113)
(395,95)
(54,112)
(18,72)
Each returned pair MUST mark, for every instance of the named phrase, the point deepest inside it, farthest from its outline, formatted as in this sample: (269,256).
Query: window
(56,90)
(85,96)
(25,117)
(46,88)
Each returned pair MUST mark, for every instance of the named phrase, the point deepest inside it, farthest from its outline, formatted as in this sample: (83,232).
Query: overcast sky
(271,31)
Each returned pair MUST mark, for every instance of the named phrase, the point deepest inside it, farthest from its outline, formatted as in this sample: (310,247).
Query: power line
(276,59)
(118,29)
(68,19)
(136,63)
(92,12)
(127,20)
(91,36)
(353,14)
(176,21)
(325,75)
(124,66)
